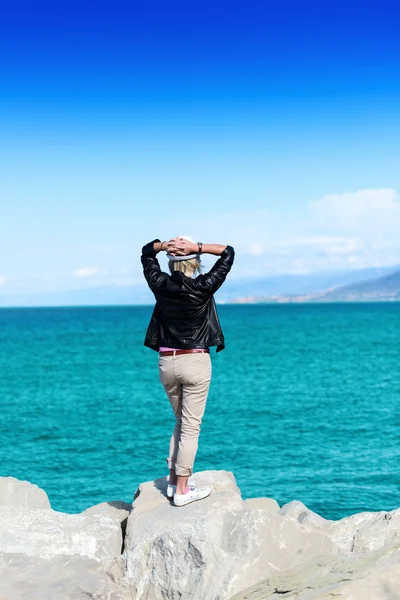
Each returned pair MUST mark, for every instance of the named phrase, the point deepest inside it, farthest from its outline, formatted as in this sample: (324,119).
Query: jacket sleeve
(151,267)
(216,276)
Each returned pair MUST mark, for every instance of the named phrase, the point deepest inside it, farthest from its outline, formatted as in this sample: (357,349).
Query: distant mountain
(293,285)
(382,288)
(329,286)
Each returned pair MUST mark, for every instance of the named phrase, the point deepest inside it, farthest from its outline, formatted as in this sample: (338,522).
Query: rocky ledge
(218,549)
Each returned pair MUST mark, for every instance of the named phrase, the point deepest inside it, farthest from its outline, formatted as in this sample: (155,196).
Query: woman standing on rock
(183,326)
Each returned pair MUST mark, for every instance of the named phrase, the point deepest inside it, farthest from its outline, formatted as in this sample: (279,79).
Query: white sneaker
(192,495)
(171,489)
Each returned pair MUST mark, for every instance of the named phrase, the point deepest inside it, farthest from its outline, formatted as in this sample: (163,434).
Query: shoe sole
(190,501)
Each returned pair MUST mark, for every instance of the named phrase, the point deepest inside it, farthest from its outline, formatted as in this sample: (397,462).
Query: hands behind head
(178,246)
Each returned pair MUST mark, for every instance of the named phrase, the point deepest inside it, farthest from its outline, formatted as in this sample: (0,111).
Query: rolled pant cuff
(183,471)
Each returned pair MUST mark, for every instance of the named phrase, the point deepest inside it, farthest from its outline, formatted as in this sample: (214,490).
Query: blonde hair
(189,267)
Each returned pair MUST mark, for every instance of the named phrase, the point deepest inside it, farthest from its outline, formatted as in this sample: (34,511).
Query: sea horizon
(223,303)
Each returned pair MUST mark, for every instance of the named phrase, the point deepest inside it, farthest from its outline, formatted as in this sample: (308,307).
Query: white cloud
(255,248)
(353,258)
(331,246)
(372,211)
(125,281)
(3,279)
(298,267)
(316,240)
(85,272)
(312,252)
(337,231)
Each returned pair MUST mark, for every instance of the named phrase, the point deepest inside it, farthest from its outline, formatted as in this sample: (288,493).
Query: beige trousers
(186,379)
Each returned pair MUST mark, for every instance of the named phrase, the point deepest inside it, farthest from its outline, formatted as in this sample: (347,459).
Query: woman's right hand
(182,247)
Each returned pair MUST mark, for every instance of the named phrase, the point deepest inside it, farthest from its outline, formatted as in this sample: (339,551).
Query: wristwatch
(200,245)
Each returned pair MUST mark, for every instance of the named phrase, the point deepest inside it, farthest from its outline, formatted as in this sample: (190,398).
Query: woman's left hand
(182,247)
(171,247)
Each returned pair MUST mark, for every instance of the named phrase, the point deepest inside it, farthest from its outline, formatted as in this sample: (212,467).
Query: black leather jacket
(185,314)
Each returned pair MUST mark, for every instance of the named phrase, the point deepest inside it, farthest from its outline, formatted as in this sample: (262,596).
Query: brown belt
(189,351)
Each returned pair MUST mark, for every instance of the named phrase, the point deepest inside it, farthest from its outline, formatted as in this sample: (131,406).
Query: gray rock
(117,509)
(366,531)
(367,576)
(263,503)
(46,533)
(299,511)
(368,567)
(25,577)
(47,555)
(210,549)
(14,492)
(361,532)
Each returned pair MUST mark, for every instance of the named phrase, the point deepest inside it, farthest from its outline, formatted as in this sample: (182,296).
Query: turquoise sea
(304,404)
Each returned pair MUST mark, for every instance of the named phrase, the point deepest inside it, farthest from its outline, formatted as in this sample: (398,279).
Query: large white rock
(358,576)
(368,567)
(361,532)
(299,511)
(366,531)
(47,555)
(210,549)
(116,509)
(264,503)
(17,493)
(25,577)
(45,533)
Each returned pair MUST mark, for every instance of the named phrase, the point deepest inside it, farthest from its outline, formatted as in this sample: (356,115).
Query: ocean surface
(304,404)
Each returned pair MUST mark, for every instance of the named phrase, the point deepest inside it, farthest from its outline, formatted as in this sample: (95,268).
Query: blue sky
(270,126)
